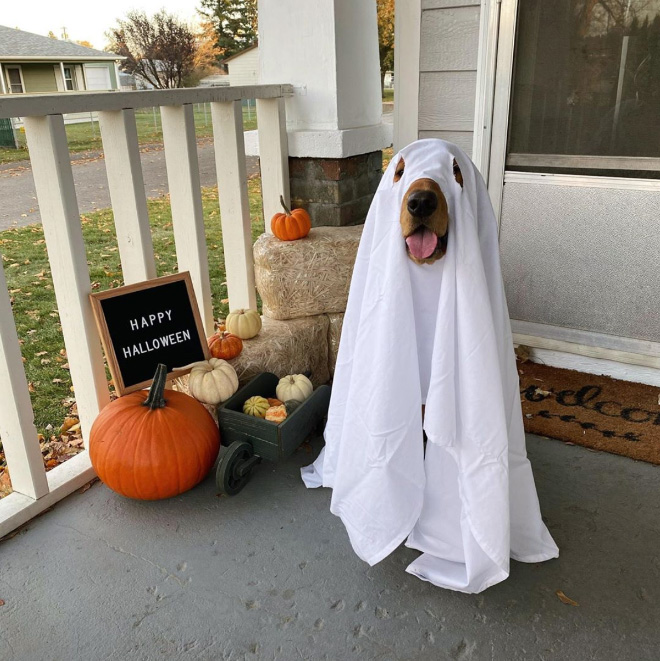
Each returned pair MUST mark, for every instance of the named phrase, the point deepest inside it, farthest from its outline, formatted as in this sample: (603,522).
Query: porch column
(334,120)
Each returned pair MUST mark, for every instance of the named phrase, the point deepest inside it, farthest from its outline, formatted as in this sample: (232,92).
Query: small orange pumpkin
(290,225)
(225,345)
(150,446)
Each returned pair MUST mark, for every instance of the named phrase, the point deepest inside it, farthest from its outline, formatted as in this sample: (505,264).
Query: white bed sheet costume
(437,334)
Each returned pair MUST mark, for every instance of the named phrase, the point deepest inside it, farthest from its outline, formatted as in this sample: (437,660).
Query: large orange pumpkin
(225,345)
(153,445)
(290,225)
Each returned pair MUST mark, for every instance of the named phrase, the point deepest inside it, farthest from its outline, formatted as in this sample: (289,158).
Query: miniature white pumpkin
(294,386)
(243,323)
(213,381)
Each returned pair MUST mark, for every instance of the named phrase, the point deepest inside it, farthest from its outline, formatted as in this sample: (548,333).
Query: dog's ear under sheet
(384,488)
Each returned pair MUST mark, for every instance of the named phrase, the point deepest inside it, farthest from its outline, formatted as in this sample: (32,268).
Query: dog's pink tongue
(422,243)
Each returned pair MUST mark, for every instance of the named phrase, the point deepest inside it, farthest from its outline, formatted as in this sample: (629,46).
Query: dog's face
(424,217)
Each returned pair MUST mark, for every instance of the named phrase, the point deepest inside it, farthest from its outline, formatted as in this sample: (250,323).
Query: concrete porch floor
(269,574)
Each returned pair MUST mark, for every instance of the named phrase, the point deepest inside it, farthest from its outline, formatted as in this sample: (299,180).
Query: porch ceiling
(269,574)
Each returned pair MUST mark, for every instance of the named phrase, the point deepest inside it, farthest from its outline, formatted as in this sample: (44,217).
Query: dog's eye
(398,173)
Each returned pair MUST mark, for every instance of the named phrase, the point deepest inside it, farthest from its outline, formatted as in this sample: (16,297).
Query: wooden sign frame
(106,339)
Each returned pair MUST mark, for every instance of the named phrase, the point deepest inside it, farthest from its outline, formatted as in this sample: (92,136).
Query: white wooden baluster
(53,179)
(129,200)
(273,156)
(186,199)
(17,431)
(227,118)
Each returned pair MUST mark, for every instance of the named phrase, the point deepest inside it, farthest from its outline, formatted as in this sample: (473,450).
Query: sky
(84,19)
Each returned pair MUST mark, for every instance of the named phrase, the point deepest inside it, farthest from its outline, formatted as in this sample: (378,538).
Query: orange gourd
(153,445)
(290,225)
(225,345)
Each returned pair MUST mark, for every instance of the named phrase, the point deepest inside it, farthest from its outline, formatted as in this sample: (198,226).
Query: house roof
(19,45)
(242,52)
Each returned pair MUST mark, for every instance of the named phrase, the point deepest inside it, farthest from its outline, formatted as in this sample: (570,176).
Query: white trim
(485,95)
(58,58)
(585,350)
(588,338)
(582,181)
(117,81)
(2,79)
(16,509)
(589,365)
(34,105)
(20,71)
(502,99)
(407,44)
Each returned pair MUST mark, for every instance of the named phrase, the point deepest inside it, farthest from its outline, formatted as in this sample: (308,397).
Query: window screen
(586,88)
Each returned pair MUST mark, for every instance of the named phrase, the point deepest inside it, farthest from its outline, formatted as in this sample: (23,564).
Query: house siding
(449,46)
(244,69)
(39,78)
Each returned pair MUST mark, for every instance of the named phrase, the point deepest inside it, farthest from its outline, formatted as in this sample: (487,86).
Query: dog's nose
(422,203)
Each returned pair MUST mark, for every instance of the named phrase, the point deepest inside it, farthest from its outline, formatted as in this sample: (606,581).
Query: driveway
(19,206)
(18,199)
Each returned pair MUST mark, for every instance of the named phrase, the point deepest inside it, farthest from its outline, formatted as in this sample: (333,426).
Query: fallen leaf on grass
(566,600)
(2,602)
(69,423)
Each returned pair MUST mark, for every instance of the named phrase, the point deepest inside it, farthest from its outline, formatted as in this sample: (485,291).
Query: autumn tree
(207,54)
(160,49)
(234,22)
(84,43)
(385,10)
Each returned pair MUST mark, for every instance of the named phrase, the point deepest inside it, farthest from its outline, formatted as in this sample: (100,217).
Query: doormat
(595,411)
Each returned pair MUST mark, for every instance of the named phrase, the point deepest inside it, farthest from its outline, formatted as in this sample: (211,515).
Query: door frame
(629,353)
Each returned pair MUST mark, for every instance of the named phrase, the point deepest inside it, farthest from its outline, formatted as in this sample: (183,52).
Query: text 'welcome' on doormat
(595,411)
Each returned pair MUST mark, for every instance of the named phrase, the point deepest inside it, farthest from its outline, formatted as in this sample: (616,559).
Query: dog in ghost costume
(426,324)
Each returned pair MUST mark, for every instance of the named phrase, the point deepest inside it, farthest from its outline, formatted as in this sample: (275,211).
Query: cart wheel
(229,477)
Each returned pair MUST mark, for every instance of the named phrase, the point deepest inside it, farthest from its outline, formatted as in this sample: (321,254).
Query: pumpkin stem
(156,399)
(288,211)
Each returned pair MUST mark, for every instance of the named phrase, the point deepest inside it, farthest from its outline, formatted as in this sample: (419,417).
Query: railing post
(53,179)
(186,200)
(129,199)
(17,431)
(227,118)
(273,156)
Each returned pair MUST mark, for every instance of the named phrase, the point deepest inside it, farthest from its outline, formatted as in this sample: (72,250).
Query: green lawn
(388,94)
(86,137)
(35,310)
(36,315)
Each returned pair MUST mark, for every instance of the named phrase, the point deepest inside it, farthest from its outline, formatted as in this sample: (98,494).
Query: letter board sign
(148,323)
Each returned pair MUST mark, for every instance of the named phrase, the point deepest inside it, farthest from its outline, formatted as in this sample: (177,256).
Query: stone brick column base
(335,191)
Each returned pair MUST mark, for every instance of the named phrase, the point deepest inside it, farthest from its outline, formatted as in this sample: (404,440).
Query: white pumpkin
(245,324)
(294,386)
(213,381)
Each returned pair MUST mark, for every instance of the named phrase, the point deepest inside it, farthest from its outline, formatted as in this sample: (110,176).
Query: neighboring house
(32,64)
(560,109)
(217,79)
(243,67)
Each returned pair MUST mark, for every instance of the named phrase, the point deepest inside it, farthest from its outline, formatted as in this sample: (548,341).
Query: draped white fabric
(437,334)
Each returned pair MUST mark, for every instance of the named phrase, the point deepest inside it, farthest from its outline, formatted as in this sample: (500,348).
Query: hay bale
(308,277)
(335,322)
(286,347)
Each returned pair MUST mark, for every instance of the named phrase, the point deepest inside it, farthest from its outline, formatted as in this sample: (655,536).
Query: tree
(51,35)
(84,43)
(234,21)
(206,54)
(160,49)
(385,10)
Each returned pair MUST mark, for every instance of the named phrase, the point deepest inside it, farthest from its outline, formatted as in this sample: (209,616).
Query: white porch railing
(34,490)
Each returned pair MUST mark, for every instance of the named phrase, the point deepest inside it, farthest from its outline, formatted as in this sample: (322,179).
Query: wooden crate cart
(247,439)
